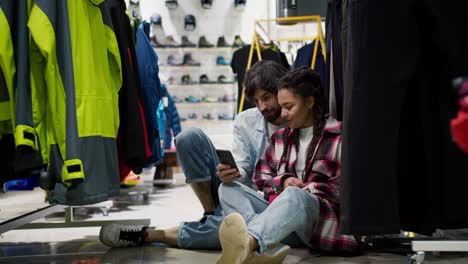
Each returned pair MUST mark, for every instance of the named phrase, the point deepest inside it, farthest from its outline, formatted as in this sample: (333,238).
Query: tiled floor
(165,208)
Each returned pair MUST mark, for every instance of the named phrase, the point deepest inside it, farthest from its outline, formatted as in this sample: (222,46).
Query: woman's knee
(188,137)
(228,190)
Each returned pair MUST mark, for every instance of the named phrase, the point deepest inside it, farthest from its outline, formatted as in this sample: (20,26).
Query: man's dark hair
(263,75)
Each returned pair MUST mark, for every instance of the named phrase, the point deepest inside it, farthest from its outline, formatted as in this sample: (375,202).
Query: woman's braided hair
(304,82)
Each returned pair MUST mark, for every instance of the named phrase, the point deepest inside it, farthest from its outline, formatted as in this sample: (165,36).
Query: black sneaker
(203,43)
(222,43)
(204,79)
(189,61)
(115,235)
(186,43)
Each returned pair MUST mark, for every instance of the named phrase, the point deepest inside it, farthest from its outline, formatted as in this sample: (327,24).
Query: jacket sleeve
(243,152)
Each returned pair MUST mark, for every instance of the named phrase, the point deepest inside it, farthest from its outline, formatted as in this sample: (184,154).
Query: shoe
(206,4)
(171,60)
(156,19)
(190,23)
(226,98)
(204,79)
(225,117)
(130,180)
(234,240)
(189,61)
(177,99)
(182,119)
(192,99)
(222,43)
(186,43)
(223,79)
(208,116)
(155,43)
(203,43)
(170,42)
(115,235)
(208,99)
(172,4)
(273,255)
(171,80)
(186,79)
(192,116)
(238,43)
(240,4)
(221,61)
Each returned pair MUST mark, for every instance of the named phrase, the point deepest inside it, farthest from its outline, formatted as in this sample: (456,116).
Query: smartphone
(225,157)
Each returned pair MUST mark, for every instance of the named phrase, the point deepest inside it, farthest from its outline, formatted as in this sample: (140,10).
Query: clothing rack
(264,35)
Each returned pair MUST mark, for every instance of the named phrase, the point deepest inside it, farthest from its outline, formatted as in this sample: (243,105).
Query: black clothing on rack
(239,65)
(400,168)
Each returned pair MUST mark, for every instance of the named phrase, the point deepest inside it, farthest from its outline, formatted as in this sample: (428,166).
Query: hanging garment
(304,58)
(239,66)
(162,124)
(7,62)
(401,169)
(82,76)
(132,132)
(150,89)
(173,127)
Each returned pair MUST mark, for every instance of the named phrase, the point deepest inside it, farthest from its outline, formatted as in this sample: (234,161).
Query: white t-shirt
(305,137)
(272,129)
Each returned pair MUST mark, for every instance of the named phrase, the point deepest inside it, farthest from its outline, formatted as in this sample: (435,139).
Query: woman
(299,175)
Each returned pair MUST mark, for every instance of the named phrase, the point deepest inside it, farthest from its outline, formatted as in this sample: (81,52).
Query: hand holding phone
(227,170)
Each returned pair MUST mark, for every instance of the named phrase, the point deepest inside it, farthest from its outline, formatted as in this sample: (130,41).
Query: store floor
(165,208)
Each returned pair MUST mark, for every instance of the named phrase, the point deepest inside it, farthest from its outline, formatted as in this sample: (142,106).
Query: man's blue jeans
(197,157)
(289,219)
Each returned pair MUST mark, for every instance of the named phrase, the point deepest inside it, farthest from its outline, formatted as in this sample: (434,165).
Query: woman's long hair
(304,83)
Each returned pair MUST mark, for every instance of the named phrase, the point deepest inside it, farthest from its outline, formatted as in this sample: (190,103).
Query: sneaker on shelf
(115,235)
(226,98)
(204,79)
(190,22)
(156,19)
(238,43)
(225,116)
(186,43)
(172,4)
(222,43)
(192,99)
(203,43)
(240,4)
(155,43)
(171,60)
(130,180)
(208,116)
(177,99)
(221,61)
(189,61)
(192,116)
(182,119)
(171,80)
(206,4)
(223,79)
(170,42)
(209,99)
(186,79)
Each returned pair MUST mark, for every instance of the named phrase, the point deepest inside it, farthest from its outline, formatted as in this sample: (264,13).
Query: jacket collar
(332,126)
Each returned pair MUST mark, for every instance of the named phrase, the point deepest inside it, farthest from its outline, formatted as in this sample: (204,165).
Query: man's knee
(228,190)
(188,137)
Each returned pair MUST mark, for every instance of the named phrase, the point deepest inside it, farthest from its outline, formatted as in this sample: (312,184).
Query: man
(197,156)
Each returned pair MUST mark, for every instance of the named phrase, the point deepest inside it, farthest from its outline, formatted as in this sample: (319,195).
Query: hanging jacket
(162,123)
(173,127)
(149,89)
(80,59)
(133,134)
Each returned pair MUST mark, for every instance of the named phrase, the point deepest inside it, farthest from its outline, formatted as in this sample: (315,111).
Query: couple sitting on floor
(285,192)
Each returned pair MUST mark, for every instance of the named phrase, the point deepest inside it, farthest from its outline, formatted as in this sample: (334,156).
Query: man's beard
(271,114)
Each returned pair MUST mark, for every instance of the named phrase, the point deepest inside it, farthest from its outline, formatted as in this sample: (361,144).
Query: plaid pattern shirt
(321,176)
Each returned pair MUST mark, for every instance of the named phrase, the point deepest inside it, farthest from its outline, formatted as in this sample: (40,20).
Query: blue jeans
(289,219)
(197,157)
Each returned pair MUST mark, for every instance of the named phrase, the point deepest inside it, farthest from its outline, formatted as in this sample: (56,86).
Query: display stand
(421,247)
(259,32)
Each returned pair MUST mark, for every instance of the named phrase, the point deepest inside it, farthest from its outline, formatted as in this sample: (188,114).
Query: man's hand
(226,174)
(292,181)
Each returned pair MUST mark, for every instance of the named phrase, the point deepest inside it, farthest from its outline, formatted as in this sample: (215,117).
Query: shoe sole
(233,238)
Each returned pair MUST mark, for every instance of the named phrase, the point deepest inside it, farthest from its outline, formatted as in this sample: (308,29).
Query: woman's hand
(226,174)
(292,181)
